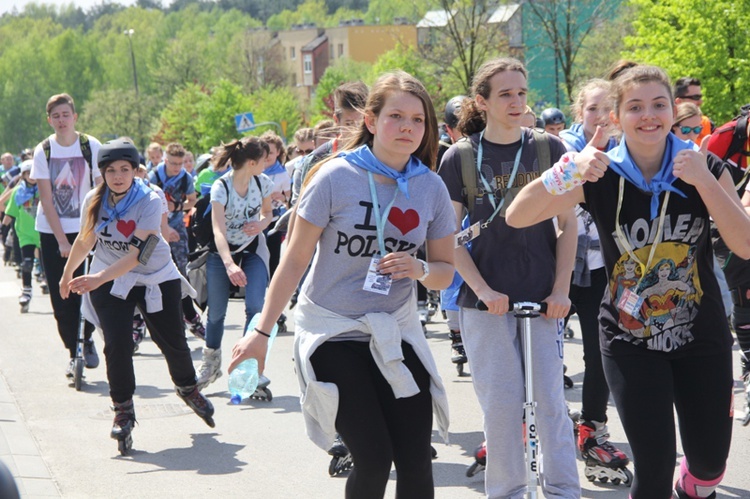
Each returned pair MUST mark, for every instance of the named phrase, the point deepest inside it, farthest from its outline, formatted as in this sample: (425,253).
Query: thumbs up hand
(591,162)
(690,166)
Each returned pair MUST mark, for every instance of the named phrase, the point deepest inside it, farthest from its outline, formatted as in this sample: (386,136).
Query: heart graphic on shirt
(404,221)
(126,227)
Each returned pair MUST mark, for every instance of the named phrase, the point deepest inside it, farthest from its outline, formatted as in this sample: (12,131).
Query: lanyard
(380,220)
(624,240)
(492,196)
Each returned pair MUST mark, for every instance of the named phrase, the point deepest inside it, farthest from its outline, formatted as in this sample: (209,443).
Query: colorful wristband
(563,176)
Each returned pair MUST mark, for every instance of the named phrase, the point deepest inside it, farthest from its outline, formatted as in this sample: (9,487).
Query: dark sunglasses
(686,129)
(304,151)
(695,97)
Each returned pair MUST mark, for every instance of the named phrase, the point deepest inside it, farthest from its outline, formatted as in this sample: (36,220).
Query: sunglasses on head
(686,129)
(695,97)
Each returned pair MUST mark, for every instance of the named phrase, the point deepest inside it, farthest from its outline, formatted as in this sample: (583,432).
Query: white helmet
(26,165)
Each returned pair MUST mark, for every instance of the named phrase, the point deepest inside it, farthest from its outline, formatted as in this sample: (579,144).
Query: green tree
(604,46)
(407,58)
(567,24)
(705,40)
(385,11)
(278,105)
(342,71)
(114,113)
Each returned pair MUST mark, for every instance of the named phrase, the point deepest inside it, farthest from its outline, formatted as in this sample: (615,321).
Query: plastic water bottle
(244,379)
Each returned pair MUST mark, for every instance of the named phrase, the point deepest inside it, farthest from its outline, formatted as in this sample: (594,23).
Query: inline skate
(604,461)
(262,392)
(341,459)
(480,461)
(197,402)
(25,299)
(281,323)
(210,369)
(458,353)
(123,426)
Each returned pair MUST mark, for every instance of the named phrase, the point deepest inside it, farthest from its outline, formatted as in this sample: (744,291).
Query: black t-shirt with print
(516,262)
(675,306)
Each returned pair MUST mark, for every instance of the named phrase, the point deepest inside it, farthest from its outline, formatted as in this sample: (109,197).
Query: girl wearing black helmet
(132,267)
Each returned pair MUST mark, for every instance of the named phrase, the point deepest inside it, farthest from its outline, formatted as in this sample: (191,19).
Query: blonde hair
(594,84)
(686,110)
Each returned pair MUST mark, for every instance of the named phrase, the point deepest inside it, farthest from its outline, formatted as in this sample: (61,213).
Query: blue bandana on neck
(365,159)
(622,163)
(275,169)
(575,137)
(137,191)
(24,192)
(169,183)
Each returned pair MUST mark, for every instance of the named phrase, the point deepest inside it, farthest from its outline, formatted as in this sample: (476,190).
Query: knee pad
(27,265)
(694,486)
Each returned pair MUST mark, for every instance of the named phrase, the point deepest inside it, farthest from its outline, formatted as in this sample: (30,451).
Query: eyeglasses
(304,151)
(695,97)
(686,129)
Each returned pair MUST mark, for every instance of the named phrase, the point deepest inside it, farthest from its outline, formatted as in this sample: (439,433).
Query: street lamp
(130,32)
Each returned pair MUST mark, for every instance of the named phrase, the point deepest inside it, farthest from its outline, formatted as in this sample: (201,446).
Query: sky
(7,5)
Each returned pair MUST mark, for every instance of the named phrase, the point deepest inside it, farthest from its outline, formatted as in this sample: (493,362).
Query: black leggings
(378,428)
(587,301)
(646,388)
(67,312)
(27,266)
(741,326)
(116,317)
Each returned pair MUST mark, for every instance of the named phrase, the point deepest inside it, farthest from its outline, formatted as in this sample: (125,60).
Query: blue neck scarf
(622,163)
(24,192)
(137,191)
(365,159)
(575,137)
(275,169)
(169,183)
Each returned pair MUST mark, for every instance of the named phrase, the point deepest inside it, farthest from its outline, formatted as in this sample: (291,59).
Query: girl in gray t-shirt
(240,211)
(364,214)
(131,268)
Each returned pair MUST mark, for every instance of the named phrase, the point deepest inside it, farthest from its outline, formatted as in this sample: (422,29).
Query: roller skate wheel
(628,477)
(568,382)
(24,308)
(591,478)
(125,445)
(460,368)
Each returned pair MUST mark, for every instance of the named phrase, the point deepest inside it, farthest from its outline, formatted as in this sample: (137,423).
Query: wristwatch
(425,269)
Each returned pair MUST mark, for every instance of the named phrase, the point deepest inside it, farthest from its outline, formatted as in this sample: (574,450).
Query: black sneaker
(90,357)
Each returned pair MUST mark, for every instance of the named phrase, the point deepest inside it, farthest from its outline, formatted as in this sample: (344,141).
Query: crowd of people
(633,217)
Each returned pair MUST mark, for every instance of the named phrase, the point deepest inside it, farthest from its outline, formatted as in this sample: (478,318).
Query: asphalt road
(56,440)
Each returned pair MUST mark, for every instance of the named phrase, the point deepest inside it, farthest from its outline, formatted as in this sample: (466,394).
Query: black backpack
(200,222)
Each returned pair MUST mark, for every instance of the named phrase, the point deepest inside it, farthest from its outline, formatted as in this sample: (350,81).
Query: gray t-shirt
(338,200)
(240,209)
(112,242)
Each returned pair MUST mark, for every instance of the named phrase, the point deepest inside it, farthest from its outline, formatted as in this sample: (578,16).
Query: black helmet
(118,149)
(552,116)
(452,110)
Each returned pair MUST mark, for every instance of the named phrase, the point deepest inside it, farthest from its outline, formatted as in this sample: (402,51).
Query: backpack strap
(83,140)
(468,173)
(543,151)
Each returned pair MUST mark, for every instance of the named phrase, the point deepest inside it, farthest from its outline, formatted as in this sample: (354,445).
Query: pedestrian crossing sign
(244,122)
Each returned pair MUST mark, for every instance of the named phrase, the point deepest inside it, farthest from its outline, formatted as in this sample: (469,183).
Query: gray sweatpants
(494,348)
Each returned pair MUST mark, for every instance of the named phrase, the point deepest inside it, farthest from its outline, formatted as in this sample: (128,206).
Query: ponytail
(92,215)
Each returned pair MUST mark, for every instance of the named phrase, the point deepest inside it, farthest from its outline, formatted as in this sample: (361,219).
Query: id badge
(467,235)
(376,282)
(630,303)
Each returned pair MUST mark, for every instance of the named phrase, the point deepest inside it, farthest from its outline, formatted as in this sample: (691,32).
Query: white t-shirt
(71,180)
(238,209)
(282,182)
